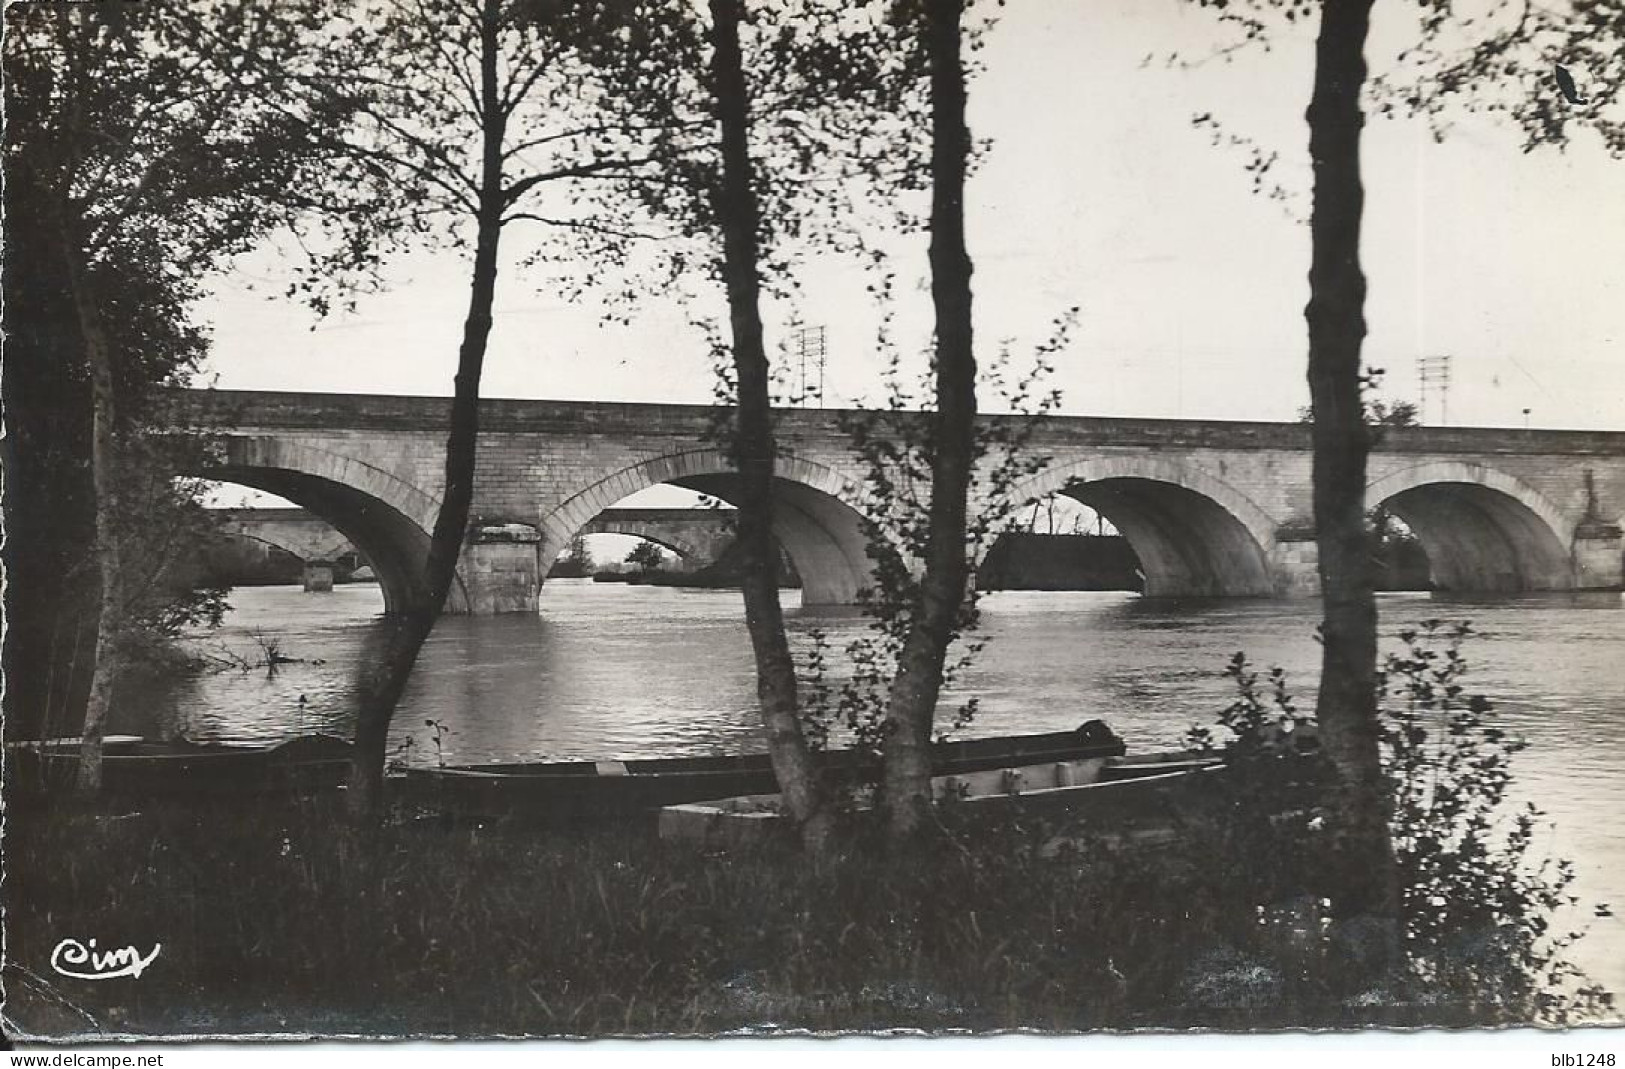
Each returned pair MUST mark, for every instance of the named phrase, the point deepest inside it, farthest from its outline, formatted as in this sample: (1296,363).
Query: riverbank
(272,920)
(606,671)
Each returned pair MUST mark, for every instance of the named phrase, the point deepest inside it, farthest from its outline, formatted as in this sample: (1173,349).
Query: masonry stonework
(1212,508)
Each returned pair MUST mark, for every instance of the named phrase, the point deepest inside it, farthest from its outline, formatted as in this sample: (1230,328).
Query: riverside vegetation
(275,918)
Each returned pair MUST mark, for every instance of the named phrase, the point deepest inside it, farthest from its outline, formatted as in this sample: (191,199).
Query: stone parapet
(1211,507)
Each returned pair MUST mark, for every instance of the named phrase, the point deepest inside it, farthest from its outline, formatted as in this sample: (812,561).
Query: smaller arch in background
(817,520)
(649,533)
(328,545)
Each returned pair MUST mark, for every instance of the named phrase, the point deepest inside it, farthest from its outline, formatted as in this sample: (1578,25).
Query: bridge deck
(225,409)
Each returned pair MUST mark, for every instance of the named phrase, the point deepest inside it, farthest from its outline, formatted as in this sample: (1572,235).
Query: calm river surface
(607,670)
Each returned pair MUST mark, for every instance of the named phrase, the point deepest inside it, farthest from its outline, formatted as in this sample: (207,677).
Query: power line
(807,347)
(1538,384)
(1433,372)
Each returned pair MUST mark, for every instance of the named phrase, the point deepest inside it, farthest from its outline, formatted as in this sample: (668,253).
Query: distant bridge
(698,536)
(1212,509)
(295,531)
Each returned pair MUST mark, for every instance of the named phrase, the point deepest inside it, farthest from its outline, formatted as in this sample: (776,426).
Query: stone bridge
(1213,509)
(296,531)
(697,536)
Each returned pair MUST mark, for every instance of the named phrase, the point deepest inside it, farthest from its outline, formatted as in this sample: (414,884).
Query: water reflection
(609,670)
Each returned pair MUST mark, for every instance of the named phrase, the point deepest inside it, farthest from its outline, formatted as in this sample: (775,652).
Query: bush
(1478,907)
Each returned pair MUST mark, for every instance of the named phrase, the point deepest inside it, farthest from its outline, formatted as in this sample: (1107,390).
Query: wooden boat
(575,790)
(136,766)
(1144,800)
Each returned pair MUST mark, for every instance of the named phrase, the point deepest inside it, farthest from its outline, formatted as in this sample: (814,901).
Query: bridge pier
(1296,563)
(501,571)
(1598,564)
(318,577)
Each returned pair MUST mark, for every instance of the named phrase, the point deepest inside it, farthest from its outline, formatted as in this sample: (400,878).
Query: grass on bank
(274,920)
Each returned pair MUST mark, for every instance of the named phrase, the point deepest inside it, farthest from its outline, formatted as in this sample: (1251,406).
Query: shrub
(1478,906)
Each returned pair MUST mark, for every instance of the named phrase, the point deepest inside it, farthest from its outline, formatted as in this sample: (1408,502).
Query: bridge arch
(384,517)
(818,514)
(661,536)
(682,550)
(1484,531)
(306,537)
(1195,535)
(294,549)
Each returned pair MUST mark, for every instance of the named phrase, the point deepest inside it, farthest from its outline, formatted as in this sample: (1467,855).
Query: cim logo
(83,961)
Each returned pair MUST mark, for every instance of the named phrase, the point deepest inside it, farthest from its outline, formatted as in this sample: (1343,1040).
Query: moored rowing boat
(577,790)
(1113,797)
(148,768)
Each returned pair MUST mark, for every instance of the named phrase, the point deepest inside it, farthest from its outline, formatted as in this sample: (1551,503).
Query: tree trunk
(1335,314)
(753,448)
(915,689)
(386,679)
(104,455)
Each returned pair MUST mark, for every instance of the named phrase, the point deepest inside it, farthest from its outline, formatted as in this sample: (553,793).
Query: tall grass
(272,919)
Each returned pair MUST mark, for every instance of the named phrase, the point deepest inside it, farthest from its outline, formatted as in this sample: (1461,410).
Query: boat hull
(1116,795)
(140,768)
(585,790)
(1150,803)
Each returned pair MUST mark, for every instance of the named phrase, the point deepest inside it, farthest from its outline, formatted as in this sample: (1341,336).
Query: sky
(1097,191)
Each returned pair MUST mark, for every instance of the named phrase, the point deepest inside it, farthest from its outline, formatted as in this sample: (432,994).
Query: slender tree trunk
(104,454)
(1335,314)
(753,447)
(915,689)
(386,680)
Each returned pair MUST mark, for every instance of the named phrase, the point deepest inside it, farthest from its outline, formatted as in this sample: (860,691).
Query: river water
(609,670)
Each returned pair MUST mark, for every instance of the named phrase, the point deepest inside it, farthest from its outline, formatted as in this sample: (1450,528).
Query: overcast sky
(1099,192)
